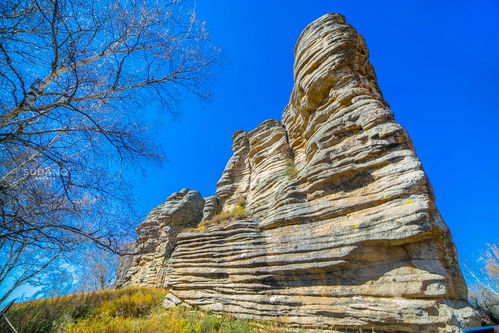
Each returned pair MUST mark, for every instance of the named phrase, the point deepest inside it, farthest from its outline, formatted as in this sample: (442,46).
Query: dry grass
(238,212)
(53,315)
(122,311)
(291,170)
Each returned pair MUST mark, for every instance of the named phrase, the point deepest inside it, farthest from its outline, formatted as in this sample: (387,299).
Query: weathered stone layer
(308,277)
(157,239)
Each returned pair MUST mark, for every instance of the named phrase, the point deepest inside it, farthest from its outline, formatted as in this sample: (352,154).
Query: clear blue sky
(437,64)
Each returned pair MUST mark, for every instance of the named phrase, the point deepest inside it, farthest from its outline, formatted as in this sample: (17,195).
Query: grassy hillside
(122,311)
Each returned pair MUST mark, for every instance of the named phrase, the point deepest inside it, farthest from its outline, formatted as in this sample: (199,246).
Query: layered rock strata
(343,230)
(158,238)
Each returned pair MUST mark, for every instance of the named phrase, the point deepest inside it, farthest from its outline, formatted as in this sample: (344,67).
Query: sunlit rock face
(343,230)
(157,240)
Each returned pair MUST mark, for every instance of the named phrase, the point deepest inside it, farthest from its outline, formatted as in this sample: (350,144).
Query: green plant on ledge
(291,171)
(238,212)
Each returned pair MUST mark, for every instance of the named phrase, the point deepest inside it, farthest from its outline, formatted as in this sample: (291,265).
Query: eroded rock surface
(212,206)
(157,239)
(344,232)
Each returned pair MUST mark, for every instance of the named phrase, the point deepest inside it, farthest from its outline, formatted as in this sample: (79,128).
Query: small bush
(201,227)
(219,218)
(238,212)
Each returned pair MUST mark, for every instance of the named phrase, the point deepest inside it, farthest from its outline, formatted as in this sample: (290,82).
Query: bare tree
(21,263)
(73,77)
(98,272)
(491,259)
(484,287)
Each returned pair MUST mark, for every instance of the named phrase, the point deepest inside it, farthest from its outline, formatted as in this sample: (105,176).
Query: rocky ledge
(324,220)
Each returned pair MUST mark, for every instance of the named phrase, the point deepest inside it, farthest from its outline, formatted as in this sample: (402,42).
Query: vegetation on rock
(238,212)
(291,171)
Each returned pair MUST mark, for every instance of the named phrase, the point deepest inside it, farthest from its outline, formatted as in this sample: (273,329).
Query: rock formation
(158,238)
(343,231)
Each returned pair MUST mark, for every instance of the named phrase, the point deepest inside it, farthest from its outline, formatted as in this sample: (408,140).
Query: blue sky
(437,66)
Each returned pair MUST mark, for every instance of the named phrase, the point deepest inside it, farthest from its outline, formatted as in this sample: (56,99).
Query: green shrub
(238,212)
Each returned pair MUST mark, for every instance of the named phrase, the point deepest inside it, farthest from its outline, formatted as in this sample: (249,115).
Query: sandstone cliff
(341,231)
